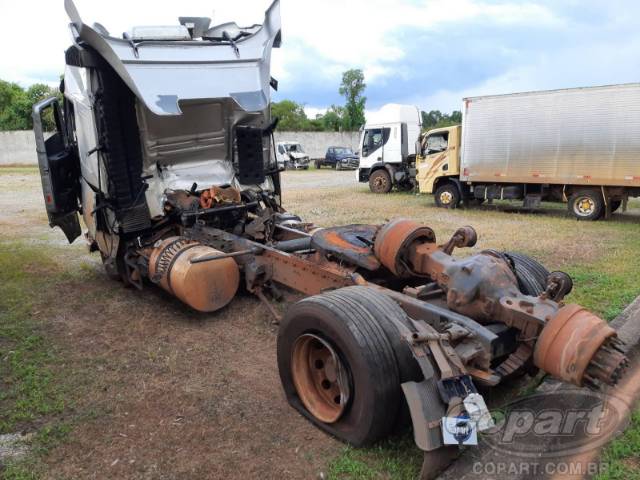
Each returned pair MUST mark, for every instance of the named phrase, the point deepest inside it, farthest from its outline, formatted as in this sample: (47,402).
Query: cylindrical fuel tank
(206,286)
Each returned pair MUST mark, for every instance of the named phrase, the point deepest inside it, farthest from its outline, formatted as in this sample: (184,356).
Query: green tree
(333,119)
(437,119)
(291,115)
(456,117)
(352,88)
(13,102)
(16,105)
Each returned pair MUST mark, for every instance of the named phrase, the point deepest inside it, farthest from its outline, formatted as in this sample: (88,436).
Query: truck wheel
(586,205)
(447,196)
(341,362)
(531,274)
(380,181)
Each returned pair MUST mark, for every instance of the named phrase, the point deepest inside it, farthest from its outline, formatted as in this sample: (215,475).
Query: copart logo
(556,424)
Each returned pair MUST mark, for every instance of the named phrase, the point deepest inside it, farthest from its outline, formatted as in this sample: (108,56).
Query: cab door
(434,160)
(373,142)
(59,171)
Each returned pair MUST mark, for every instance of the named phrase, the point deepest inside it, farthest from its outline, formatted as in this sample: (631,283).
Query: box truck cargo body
(579,145)
(584,136)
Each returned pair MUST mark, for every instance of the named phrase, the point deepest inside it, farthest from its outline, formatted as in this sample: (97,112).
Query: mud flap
(426,409)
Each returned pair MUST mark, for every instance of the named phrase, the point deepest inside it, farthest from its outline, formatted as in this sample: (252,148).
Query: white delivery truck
(388,147)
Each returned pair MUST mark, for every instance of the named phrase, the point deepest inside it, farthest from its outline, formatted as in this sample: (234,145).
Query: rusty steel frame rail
(271,264)
(478,289)
(326,279)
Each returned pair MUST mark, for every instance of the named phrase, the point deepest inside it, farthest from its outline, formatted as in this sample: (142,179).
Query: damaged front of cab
(148,120)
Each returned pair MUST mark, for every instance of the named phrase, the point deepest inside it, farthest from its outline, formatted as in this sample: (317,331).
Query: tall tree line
(16,104)
(437,119)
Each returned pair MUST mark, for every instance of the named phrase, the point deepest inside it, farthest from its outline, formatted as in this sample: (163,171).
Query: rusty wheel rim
(380,183)
(320,378)
(584,206)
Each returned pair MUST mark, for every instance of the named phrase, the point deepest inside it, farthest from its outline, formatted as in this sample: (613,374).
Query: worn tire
(586,204)
(447,196)
(356,322)
(380,181)
(531,274)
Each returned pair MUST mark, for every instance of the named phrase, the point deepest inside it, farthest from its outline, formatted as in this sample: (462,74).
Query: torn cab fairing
(158,116)
(163,73)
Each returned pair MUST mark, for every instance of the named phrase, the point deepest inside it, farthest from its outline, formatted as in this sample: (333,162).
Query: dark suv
(338,158)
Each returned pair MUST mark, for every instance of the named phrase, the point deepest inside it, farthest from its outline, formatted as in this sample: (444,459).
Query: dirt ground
(162,392)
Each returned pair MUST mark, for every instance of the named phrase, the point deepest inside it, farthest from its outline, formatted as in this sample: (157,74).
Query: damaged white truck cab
(140,136)
(291,155)
(164,145)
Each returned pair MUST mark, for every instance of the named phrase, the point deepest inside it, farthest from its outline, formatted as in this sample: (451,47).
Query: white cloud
(362,33)
(34,34)
(336,34)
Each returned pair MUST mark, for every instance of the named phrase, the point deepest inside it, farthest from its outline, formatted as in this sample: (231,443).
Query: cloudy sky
(425,52)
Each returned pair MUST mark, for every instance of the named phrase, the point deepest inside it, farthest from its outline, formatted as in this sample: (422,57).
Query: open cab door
(59,171)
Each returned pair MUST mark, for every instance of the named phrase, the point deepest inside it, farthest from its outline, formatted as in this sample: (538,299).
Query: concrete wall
(316,143)
(20,147)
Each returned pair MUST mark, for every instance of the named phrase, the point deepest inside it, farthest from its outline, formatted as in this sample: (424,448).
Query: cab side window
(438,142)
(375,138)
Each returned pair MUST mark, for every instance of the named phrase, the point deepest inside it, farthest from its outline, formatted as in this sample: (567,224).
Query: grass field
(77,368)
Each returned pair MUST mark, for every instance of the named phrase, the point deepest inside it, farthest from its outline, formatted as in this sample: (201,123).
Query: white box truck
(578,145)
(388,148)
